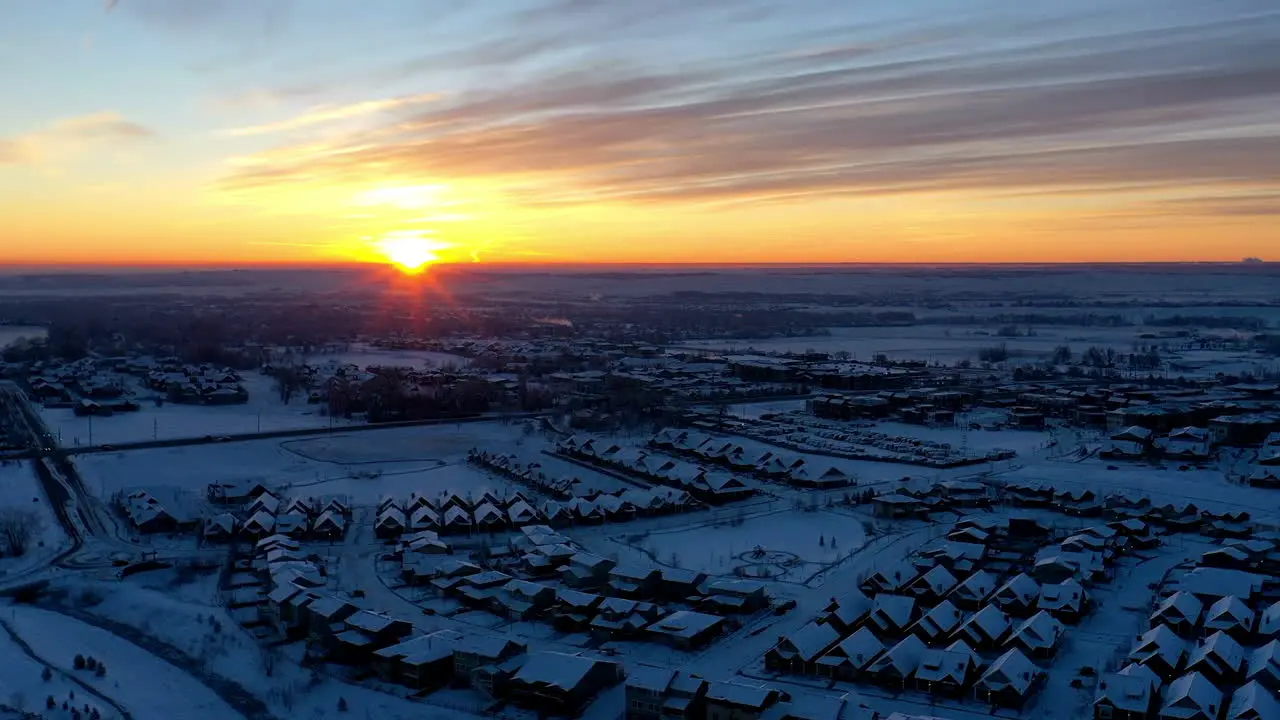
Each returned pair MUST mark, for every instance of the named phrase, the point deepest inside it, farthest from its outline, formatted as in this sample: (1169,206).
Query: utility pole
(155,429)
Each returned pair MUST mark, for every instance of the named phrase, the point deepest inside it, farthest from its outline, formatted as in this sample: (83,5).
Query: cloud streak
(1181,104)
(69,137)
(326,114)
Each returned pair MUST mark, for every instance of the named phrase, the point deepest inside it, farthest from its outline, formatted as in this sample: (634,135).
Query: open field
(20,491)
(362,465)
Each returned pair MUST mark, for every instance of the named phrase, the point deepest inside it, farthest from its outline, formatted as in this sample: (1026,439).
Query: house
(424,662)
(797,652)
(889,579)
(1219,658)
(932,586)
(891,615)
(453,519)
(587,571)
(947,672)
(937,624)
(294,525)
(1191,697)
(809,706)
(622,618)
(1066,601)
(985,629)
(1230,615)
(847,611)
(1180,612)
(1131,442)
(851,656)
(260,524)
(646,691)
(1269,622)
(390,522)
(973,592)
(382,630)
(1009,681)
(326,613)
(1253,702)
(554,683)
(1126,697)
(521,599)
(520,513)
(896,506)
(686,629)
(743,596)
(678,584)
(330,525)
(488,518)
(1187,443)
(737,701)
(1038,636)
(633,581)
(893,668)
(473,651)
(1018,596)
(219,528)
(574,610)
(1264,666)
(1160,651)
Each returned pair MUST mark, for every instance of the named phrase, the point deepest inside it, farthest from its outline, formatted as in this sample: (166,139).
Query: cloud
(322,115)
(1177,104)
(68,137)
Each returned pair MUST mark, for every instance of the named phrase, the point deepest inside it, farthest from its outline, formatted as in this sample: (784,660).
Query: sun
(409,251)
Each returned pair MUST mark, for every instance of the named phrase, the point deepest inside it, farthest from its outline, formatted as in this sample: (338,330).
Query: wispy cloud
(325,114)
(1181,102)
(69,137)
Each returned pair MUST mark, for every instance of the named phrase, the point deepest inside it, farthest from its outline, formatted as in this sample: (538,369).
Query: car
(428,611)
(107,447)
(222,438)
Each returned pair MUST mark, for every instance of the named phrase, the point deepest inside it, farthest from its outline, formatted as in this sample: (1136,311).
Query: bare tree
(18,528)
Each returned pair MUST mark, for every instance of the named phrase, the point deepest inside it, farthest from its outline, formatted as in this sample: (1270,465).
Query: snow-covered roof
(686,624)
(977,587)
(859,648)
(1038,632)
(1020,589)
(1265,662)
(940,621)
(1011,671)
(809,641)
(1191,696)
(902,658)
(989,623)
(892,611)
(1159,642)
(556,670)
(1067,595)
(937,665)
(938,581)
(1181,606)
(1130,693)
(1229,613)
(1253,702)
(1220,652)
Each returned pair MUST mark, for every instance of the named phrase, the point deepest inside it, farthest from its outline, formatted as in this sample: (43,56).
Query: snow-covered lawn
(794,544)
(364,465)
(20,491)
(366,356)
(23,687)
(263,413)
(143,683)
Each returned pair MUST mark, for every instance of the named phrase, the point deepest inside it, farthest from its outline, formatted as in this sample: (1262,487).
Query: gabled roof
(1131,693)
(902,658)
(1229,613)
(1020,588)
(1067,595)
(1265,661)
(1142,671)
(1253,702)
(941,621)
(1191,696)
(938,580)
(895,609)
(1039,632)
(809,641)
(937,665)
(1181,606)
(1159,642)
(858,650)
(1219,651)
(977,587)
(988,623)
(1011,671)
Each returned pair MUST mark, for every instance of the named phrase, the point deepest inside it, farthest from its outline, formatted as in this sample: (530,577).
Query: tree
(18,527)
(1061,355)
(79,662)
(342,704)
(49,702)
(46,674)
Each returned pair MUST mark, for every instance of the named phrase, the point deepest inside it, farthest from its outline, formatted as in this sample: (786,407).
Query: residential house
(985,630)
(1191,697)
(1253,702)
(973,592)
(1160,651)
(938,624)
(1219,658)
(473,651)
(798,652)
(686,629)
(1180,612)
(424,662)
(847,611)
(646,691)
(633,581)
(894,667)
(889,579)
(1067,601)
(1038,636)
(1017,596)
(679,585)
(1264,666)
(1126,697)
(1009,680)
(553,683)
(737,701)
(947,672)
(891,615)
(1230,615)
(850,658)
(741,596)
(932,586)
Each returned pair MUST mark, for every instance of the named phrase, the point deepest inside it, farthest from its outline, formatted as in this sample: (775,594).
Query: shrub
(79,662)
(342,704)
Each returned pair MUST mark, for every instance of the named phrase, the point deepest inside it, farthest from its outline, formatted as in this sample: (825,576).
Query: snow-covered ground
(20,492)
(264,412)
(935,343)
(364,465)
(791,545)
(23,687)
(367,356)
(148,687)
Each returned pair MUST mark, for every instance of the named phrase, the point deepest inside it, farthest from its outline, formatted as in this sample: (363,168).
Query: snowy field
(935,343)
(368,356)
(791,545)
(20,491)
(363,465)
(263,413)
(134,677)
(10,333)
(23,687)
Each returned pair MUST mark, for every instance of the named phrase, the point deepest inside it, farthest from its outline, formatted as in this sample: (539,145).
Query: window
(1104,712)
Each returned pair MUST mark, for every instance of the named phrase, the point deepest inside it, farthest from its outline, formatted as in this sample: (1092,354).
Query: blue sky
(560,103)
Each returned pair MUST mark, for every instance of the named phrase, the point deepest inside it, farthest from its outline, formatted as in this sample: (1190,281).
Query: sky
(198,132)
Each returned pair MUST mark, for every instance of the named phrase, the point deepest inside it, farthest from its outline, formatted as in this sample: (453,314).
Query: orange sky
(162,134)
